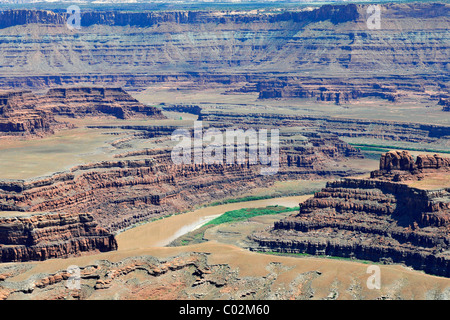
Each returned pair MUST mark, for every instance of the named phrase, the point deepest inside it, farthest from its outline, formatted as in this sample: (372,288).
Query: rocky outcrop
(445,103)
(340,126)
(96,101)
(322,45)
(19,115)
(335,92)
(192,109)
(145,184)
(51,235)
(336,14)
(24,113)
(185,276)
(398,166)
(371,219)
(432,162)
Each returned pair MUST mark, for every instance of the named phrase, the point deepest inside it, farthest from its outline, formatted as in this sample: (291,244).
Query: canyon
(325,52)
(41,237)
(22,113)
(146,184)
(376,219)
(87,124)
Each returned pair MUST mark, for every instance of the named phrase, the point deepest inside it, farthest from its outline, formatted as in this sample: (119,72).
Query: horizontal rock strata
(129,190)
(370,219)
(326,53)
(51,235)
(24,113)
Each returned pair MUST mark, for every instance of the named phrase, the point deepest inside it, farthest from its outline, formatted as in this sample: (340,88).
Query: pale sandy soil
(432,181)
(408,110)
(346,276)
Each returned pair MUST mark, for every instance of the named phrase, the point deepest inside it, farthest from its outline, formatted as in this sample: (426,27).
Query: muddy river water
(151,238)
(161,232)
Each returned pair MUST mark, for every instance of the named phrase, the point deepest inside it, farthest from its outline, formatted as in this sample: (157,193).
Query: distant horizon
(156,5)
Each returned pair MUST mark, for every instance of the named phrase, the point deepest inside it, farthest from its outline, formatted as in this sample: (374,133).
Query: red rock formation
(19,115)
(23,113)
(96,101)
(398,166)
(51,235)
(396,160)
(372,219)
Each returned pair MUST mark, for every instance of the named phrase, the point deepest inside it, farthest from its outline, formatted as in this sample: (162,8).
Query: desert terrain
(359,141)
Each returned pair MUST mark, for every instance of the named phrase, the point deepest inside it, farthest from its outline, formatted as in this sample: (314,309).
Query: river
(160,233)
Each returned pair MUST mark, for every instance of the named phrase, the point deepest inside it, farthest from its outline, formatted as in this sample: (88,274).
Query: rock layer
(24,113)
(51,235)
(399,166)
(96,101)
(271,52)
(123,192)
(370,219)
(19,115)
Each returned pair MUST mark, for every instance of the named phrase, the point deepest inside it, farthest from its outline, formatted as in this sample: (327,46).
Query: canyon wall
(369,219)
(145,184)
(24,113)
(339,126)
(400,166)
(51,235)
(327,44)
(96,101)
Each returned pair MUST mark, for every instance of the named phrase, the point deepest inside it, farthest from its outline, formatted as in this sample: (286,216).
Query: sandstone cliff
(371,219)
(51,235)
(323,45)
(96,101)
(145,184)
(24,113)
(19,115)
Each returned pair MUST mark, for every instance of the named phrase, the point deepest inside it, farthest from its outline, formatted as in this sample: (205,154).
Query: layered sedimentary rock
(400,166)
(93,101)
(336,14)
(24,113)
(371,219)
(19,115)
(342,127)
(51,235)
(326,53)
(146,184)
(335,91)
